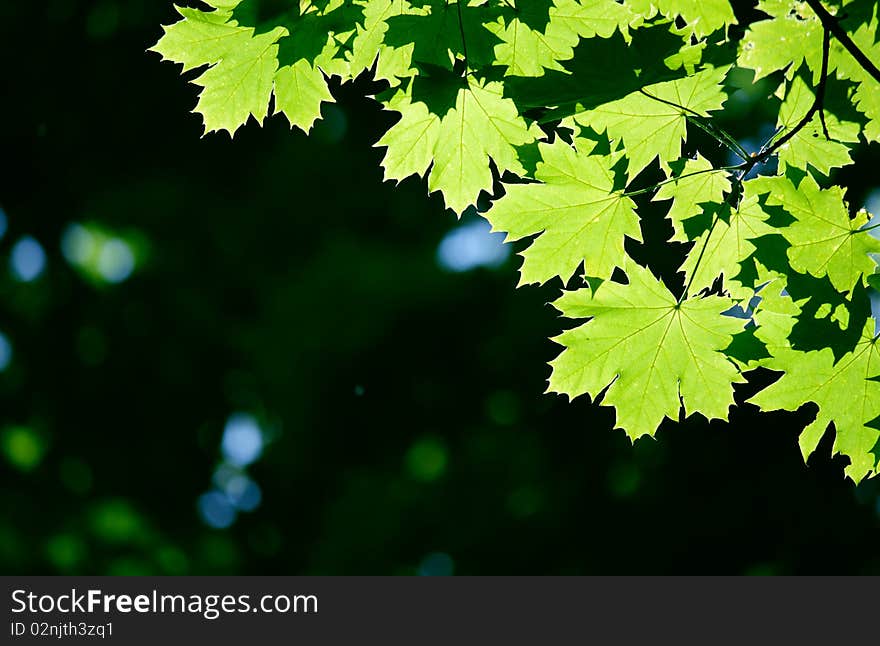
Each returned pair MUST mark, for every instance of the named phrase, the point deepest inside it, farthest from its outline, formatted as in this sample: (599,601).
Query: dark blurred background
(253,356)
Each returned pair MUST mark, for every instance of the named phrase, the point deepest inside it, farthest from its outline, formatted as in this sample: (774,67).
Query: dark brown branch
(817,106)
(830,23)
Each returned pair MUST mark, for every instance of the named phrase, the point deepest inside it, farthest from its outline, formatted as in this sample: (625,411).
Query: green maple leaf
(574,19)
(614,85)
(411,141)
(436,34)
(696,185)
(655,126)
(775,314)
(528,52)
(824,240)
(481,126)
(369,46)
(300,89)
(867,94)
(791,36)
(810,146)
(240,84)
(243,70)
(847,393)
(201,38)
(654,355)
(579,216)
(720,250)
(702,16)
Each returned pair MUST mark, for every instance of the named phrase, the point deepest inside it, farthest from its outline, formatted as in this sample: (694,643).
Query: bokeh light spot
(437,564)
(762,569)
(503,408)
(115,261)
(172,560)
(624,479)
(65,551)
(243,493)
(242,441)
(103,20)
(524,502)
(23,447)
(78,244)
(471,245)
(216,510)
(100,255)
(5,352)
(27,260)
(116,522)
(426,459)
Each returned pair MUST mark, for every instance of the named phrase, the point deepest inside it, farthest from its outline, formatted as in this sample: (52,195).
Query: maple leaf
(774,314)
(792,35)
(867,93)
(240,84)
(824,240)
(721,249)
(615,86)
(701,16)
(574,19)
(654,355)
(201,38)
(696,185)
(847,393)
(527,51)
(481,126)
(810,146)
(445,31)
(243,65)
(579,216)
(369,46)
(652,123)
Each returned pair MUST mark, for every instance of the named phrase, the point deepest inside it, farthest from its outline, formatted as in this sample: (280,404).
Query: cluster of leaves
(554,118)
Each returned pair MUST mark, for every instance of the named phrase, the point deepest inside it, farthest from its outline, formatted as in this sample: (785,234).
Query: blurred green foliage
(400,404)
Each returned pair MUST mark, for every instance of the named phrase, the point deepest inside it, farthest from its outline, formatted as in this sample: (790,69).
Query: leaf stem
(864,229)
(717,133)
(736,191)
(654,187)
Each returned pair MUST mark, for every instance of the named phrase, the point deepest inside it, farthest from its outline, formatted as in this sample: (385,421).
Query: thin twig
(817,106)
(830,23)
